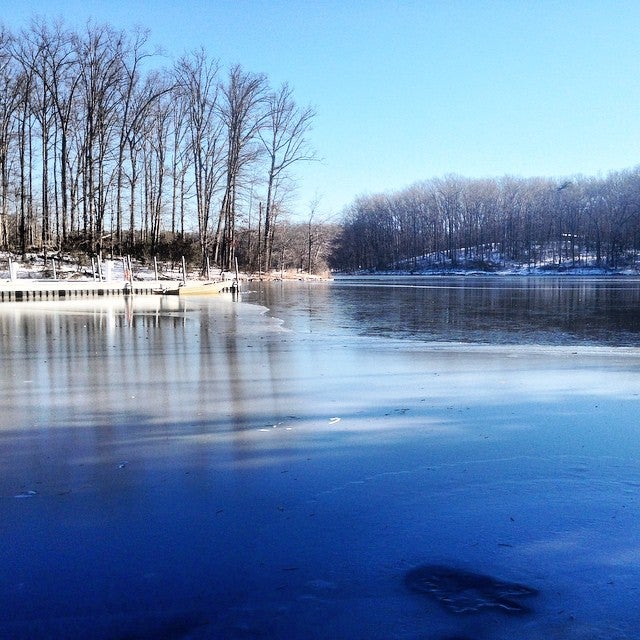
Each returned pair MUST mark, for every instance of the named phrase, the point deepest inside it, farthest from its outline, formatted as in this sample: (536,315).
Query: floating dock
(196,288)
(23,289)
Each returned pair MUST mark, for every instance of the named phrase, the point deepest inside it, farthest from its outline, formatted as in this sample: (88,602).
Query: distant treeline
(480,223)
(102,149)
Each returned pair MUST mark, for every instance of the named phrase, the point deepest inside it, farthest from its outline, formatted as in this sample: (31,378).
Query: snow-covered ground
(66,266)
(38,266)
(550,261)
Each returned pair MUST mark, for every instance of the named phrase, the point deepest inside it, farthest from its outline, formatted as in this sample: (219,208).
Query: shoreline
(39,267)
(515,271)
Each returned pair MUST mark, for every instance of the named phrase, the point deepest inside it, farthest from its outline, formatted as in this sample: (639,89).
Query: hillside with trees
(489,224)
(105,151)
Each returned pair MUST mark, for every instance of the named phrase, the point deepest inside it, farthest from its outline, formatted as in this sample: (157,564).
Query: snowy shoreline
(68,267)
(39,266)
(512,271)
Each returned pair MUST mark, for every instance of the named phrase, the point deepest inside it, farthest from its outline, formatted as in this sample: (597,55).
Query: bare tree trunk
(244,115)
(284,139)
(198,83)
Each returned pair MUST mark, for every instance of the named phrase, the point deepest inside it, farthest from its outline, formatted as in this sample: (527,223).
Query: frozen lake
(210,469)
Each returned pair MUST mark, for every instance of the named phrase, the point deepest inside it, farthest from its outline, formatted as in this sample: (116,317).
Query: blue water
(552,310)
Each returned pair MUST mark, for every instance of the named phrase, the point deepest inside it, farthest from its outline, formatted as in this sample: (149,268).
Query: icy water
(368,458)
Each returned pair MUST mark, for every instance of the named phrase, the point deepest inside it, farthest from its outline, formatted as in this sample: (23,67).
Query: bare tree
(155,157)
(24,118)
(179,163)
(141,110)
(197,79)
(136,97)
(100,50)
(243,115)
(30,51)
(59,73)
(284,139)
(10,93)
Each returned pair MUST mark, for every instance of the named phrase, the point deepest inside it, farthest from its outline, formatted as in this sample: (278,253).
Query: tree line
(484,223)
(103,150)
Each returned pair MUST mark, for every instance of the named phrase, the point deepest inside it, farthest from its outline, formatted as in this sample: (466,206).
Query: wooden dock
(24,289)
(197,288)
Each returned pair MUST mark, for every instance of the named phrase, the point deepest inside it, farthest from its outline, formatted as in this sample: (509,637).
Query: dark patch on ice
(175,628)
(466,592)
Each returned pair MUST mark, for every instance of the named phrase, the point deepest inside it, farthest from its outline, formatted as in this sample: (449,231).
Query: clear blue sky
(411,90)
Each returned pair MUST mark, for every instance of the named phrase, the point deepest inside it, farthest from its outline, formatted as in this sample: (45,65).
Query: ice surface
(465,592)
(185,476)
